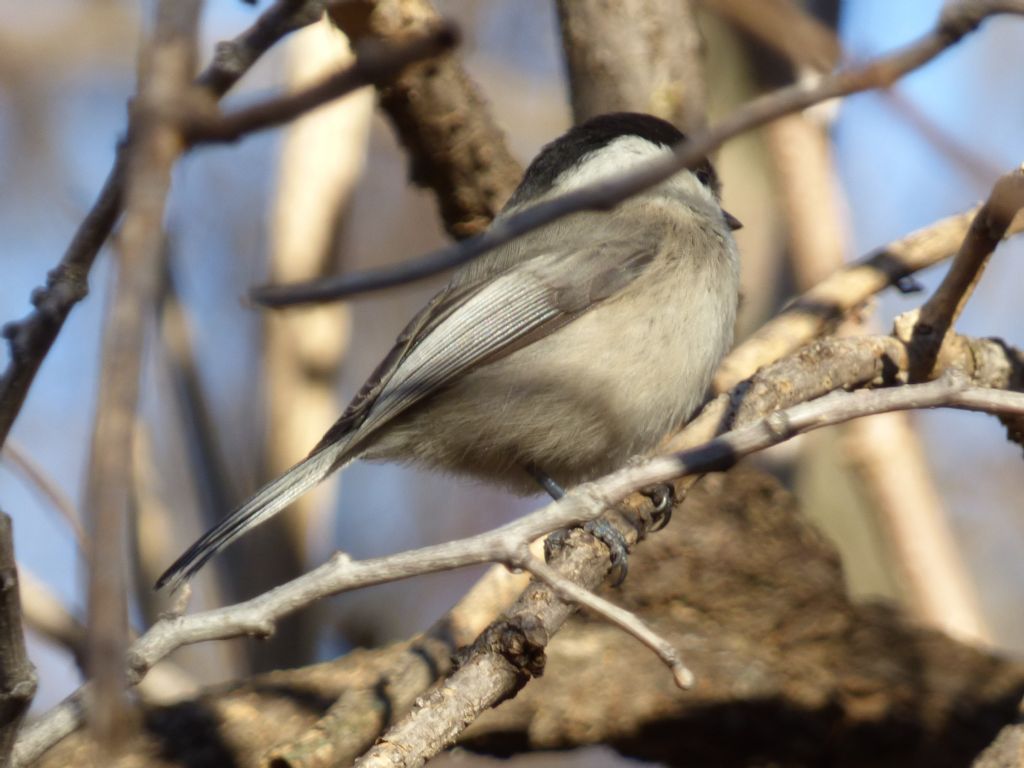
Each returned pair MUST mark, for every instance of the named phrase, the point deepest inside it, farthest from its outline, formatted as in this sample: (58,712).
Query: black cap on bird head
(570,149)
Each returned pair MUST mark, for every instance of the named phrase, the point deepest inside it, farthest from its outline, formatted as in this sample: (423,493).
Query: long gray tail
(267,502)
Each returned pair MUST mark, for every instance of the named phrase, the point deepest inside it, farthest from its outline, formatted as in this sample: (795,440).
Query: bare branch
(361,711)
(571,592)
(741,580)
(753,593)
(377,63)
(784,26)
(48,487)
(46,615)
(489,675)
(17,674)
(30,339)
(956,21)
(168,65)
(926,329)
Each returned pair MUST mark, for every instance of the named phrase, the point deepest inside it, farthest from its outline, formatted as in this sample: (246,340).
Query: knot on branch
(521,641)
(66,284)
(228,59)
(960,19)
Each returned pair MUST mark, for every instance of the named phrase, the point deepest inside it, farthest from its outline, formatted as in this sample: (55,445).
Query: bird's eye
(704,177)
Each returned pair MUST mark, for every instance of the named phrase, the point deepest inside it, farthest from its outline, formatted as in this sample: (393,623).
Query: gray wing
(470,324)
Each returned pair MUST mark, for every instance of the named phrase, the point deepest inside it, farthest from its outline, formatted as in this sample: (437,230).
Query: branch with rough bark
(377,63)
(926,329)
(18,680)
(791,670)
(455,146)
(820,308)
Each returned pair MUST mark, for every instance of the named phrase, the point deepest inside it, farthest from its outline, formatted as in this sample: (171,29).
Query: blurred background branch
(167,66)
(57,500)
(454,145)
(634,56)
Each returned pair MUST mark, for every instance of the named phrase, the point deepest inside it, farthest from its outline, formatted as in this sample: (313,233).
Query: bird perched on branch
(554,358)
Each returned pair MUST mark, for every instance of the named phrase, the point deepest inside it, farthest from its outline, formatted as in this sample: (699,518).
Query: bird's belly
(577,403)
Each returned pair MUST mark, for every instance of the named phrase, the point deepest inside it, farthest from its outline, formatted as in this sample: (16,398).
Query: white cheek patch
(620,155)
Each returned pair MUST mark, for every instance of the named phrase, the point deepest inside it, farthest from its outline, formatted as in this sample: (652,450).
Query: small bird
(553,359)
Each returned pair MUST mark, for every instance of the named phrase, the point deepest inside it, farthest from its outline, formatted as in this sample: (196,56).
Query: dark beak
(732,221)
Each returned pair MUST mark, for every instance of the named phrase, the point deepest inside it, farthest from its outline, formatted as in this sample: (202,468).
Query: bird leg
(603,531)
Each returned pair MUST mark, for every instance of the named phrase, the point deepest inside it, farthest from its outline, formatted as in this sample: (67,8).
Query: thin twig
(49,618)
(627,621)
(926,328)
(955,22)
(818,309)
(969,158)
(48,487)
(376,63)
(258,615)
(30,339)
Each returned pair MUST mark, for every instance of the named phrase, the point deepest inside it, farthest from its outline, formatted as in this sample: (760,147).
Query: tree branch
(926,329)
(455,147)
(571,592)
(792,670)
(377,63)
(168,63)
(496,668)
(48,487)
(956,21)
(30,339)
(18,679)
